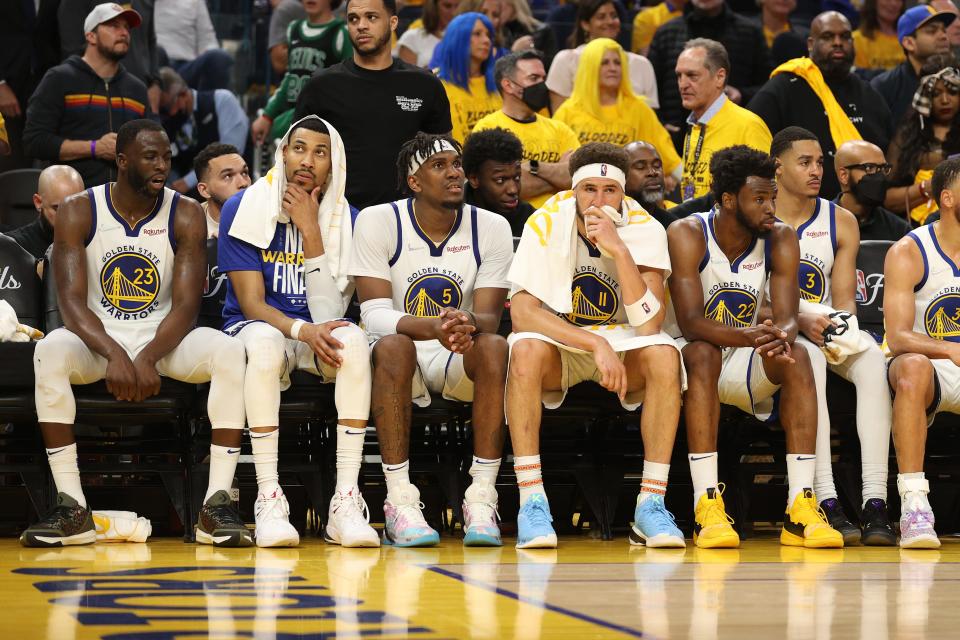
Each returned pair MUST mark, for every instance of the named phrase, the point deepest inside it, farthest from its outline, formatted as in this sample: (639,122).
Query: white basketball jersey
(427,277)
(732,291)
(129,269)
(595,289)
(818,247)
(937,296)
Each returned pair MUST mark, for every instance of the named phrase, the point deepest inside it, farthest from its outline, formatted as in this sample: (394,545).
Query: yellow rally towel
(920,212)
(841,129)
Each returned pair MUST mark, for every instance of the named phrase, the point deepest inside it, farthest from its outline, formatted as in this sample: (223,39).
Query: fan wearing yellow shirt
(646,23)
(715,122)
(464,64)
(547,143)
(604,108)
(875,43)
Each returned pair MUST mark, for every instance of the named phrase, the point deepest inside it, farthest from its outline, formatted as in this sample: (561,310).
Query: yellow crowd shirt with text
(466,109)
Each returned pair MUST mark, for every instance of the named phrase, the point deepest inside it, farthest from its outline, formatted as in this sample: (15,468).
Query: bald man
(788,99)
(56,183)
(645,182)
(860,168)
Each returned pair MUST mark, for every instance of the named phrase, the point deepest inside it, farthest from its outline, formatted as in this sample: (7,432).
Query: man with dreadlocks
(431,275)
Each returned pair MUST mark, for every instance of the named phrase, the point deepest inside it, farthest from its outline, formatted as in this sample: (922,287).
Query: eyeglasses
(871,168)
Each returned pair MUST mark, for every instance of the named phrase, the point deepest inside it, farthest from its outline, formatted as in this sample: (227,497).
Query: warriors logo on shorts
(594,301)
(429,295)
(811,281)
(130,282)
(732,307)
(942,319)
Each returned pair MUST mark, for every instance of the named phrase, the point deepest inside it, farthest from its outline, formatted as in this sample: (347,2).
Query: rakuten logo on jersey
(458,248)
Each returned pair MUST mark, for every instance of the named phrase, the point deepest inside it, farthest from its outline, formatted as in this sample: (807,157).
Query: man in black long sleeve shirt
(745,44)
(375,102)
(56,183)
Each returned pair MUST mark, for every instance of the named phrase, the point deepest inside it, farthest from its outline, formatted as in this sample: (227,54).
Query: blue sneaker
(534,530)
(654,526)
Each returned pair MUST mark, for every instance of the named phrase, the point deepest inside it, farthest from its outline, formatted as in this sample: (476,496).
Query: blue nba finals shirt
(281,264)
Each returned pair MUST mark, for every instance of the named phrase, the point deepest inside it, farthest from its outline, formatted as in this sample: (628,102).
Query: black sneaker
(839,521)
(67,524)
(220,523)
(877,530)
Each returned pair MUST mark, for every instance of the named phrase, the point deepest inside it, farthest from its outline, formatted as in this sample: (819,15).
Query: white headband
(599,170)
(439,146)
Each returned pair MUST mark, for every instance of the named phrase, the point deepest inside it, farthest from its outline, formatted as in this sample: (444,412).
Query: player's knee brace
(52,392)
(354,377)
(265,355)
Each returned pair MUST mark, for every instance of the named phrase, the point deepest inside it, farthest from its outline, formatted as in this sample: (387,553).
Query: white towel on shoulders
(544,262)
(846,340)
(262,207)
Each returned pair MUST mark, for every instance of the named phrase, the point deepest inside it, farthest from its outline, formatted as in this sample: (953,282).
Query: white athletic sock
(655,475)
(529,476)
(223,466)
(485,470)
(703,471)
(266,447)
(349,456)
(801,468)
(397,475)
(66,473)
(913,489)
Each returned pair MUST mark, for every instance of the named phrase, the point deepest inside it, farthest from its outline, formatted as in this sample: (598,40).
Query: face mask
(536,96)
(871,190)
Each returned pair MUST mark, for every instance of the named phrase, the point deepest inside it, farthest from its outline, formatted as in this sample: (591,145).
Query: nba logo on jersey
(130,282)
(595,302)
(942,319)
(428,295)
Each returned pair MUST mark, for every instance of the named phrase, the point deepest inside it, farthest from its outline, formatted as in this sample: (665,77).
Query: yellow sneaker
(712,528)
(805,525)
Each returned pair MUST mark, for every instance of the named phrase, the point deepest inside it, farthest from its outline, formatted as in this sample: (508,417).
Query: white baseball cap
(108,11)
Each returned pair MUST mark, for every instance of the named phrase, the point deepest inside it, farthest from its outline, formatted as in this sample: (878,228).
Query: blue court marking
(538,603)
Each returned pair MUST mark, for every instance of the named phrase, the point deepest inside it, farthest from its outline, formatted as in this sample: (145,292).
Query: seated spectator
(185,32)
(713,19)
(953,29)
(649,19)
(875,42)
(715,122)
(928,135)
(65,117)
(193,119)
(604,108)
(522,31)
(547,143)
(491,164)
(861,172)
(645,182)
(774,19)
(417,43)
(316,42)
(923,33)
(221,172)
(56,183)
(597,19)
(493,10)
(141,60)
(464,63)
(283,14)
(821,95)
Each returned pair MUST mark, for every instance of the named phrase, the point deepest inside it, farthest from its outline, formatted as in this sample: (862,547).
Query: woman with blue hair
(464,63)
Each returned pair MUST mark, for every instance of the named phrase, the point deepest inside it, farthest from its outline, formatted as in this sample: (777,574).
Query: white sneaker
(480,516)
(272,514)
(348,522)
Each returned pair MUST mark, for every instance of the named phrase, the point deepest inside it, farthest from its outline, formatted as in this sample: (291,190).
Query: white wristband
(295,329)
(643,309)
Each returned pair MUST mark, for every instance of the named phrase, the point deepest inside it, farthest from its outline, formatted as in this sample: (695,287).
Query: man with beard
(130,263)
(221,172)
(375,102)
(821,95)
(492,165)
(431,276)
(722,262)
(645,181)
(75,113)
(861,171)
(56,183)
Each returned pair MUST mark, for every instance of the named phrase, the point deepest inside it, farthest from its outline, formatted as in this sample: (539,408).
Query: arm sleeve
(324,299)
(374,242)
(206,34)
(496,255)
(44,110)
(234,254)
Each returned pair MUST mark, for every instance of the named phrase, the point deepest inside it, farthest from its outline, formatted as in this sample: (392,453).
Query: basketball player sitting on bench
(431,275)
(130,261)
